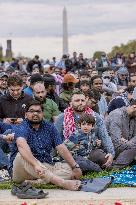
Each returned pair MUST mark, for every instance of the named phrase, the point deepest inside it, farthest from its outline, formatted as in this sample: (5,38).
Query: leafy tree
(97,54)
(126,49)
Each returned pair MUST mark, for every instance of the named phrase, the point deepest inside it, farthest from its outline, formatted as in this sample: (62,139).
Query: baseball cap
(2,74)
(70,78)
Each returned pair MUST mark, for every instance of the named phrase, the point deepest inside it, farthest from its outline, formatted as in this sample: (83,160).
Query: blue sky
(36,26)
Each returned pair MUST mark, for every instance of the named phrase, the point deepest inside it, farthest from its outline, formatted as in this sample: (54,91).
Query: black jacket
(11,108)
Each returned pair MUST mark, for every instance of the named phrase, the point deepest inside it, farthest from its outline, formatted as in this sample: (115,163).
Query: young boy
(85,86)
(92,99)
(83,143)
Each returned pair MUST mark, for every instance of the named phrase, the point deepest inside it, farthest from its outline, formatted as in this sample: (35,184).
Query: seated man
(67,122)
(3,83)
(133,83)
(31,152)
(121,100)
(96,86)
(50,86)
(35,78)
(13,103)
(51,110)
(121,125)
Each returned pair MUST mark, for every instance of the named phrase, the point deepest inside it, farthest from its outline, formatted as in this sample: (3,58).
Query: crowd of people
(63,118)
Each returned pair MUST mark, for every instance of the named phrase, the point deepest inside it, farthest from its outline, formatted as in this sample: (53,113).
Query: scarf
(69,122)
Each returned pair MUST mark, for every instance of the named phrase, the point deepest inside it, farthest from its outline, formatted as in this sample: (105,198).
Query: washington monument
(65,32)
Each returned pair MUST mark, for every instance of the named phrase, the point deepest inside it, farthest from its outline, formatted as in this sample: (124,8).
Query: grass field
(8,185)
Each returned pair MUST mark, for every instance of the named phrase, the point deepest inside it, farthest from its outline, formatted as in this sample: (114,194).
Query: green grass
(8,185)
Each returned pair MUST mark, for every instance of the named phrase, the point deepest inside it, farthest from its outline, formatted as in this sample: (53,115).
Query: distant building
(1,52)
(9,49)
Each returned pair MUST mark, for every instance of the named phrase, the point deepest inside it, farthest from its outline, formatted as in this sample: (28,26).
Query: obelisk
(65,32)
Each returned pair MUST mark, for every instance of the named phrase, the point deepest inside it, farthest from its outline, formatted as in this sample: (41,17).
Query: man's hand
(123,140)
(98,143)
(109,161)
(9,138)
(19,120)
(39,170)
(12,120)
(7,120)
(77,173)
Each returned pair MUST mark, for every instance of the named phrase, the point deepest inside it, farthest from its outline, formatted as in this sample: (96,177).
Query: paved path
(62,197)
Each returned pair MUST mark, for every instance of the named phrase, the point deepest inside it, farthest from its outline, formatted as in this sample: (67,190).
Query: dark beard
(35,123)
(78,110)
(41,100)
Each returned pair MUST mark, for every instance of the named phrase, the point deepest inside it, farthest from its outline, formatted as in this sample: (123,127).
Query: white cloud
(36,26)
(41,18)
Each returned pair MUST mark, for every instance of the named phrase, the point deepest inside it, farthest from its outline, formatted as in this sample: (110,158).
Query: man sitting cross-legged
(31,152)
(121,125)
(67,123)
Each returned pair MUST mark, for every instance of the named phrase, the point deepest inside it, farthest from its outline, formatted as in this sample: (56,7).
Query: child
(35,69)
(85,86)
(92,99)
(83,143)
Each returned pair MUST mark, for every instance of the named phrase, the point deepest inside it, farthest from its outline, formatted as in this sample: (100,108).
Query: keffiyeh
(69,122)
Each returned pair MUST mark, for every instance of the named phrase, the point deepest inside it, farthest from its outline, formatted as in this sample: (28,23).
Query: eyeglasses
(33,111)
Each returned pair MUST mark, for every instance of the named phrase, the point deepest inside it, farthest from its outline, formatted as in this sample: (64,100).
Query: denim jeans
(87,165)
(4,161)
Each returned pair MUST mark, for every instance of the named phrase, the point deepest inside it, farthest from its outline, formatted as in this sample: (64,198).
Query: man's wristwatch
(76,166)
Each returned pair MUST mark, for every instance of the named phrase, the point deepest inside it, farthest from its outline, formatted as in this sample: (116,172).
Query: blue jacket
(81,144)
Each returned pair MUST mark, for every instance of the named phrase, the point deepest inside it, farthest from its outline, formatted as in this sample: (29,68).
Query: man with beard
(3,83)
(67,123)
(51,110)
(121,125)
(31,153)
(50,86)
(13,103)
(96,86)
